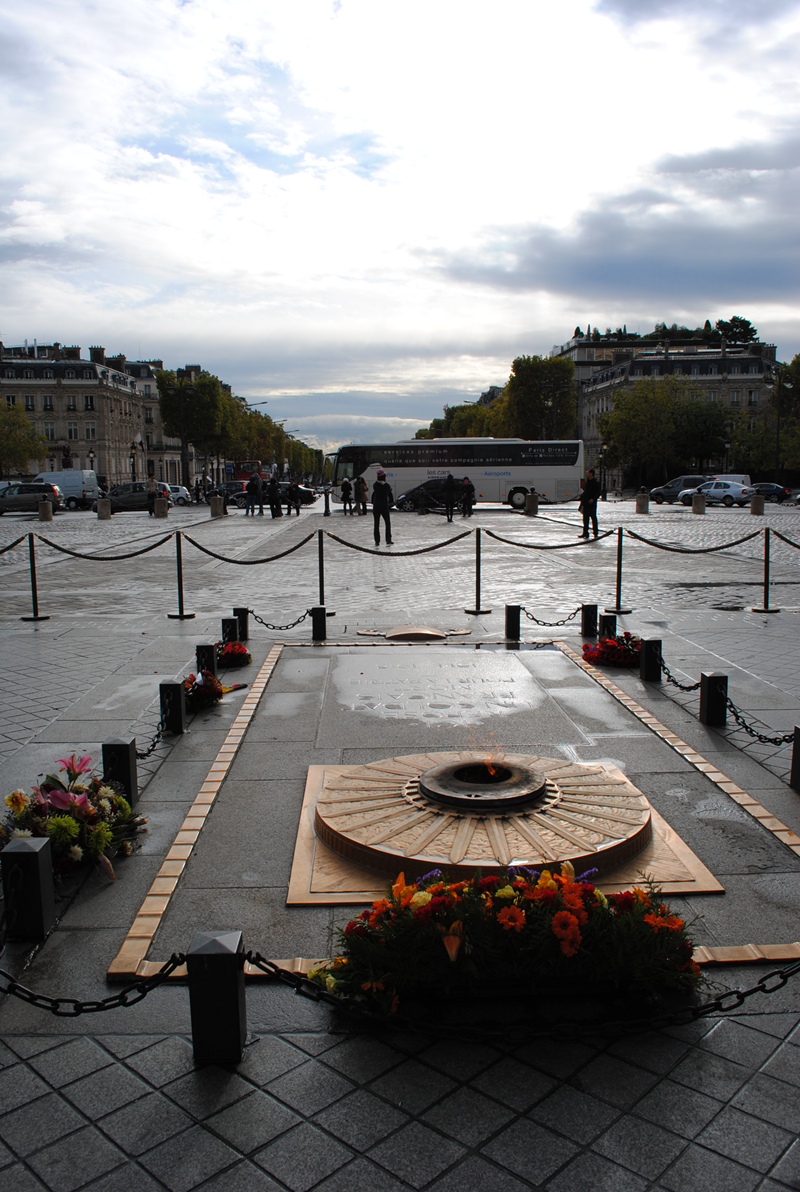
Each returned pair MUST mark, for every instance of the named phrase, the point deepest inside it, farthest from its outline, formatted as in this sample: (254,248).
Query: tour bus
(500,469)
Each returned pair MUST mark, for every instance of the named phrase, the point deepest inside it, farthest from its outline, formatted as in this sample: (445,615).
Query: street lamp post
(133,463)
(603,491)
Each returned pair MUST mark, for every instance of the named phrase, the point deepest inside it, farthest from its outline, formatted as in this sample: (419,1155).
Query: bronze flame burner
(479,784)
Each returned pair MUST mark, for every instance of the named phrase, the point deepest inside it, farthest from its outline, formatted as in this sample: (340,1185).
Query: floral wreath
(231,654)
(623,650)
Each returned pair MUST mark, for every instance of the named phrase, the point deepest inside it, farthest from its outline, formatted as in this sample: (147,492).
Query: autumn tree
(540,399)
(19,441)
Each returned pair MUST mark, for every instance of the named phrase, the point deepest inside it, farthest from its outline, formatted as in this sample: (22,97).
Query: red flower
(356,928)
(422,914)
(622,903)
(440,903)
(488,883)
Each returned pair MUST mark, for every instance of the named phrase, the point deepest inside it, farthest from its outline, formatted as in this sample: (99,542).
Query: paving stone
(614,1080)
(269,1058)
(641,1146)
(711,1074)
(361,1119)
(104,1091)
(188,1159)
(556,1058)
(518,1085)
(128,1178)
(149,1121)
(310,1088)
(468,1116)
(698,1168)
(460,1060)
(28,1129)
(164,1061)
(124,1045)
(252,1122)
(416,1154)
(244,1177)
(779,1025)
(62,1065)
(729,1038)
(573,1113)
(748,1140)
(361,1176)
(788,1170)
(19,1179)
(6,1156)
(19,1086)
(593,1173)
(74,1161)
(658,1053)
(207,1090)
(476,1174)
(362,1058)
(772,1100)
(785,1064)
(413,1086)
(314,1044)
(530,1151)
(7,1057)
(303,1157)
(677,1108)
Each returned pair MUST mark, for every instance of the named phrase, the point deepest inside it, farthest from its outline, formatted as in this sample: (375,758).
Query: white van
(736,477)
(80,487)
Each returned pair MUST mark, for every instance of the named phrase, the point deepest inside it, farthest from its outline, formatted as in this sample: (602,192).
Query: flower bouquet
(233,654)
(85,817)
(201,691)
(622,650)
(539,929)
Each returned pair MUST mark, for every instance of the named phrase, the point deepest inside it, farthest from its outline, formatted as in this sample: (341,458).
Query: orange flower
(399,885)
(511,917)
(670,922)
(374,985)
(452,938)
(395,1003)
(565,929)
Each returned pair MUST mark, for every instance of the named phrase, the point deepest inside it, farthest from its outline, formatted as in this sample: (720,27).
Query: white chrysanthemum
(20,832)
(76,852)
(106,792)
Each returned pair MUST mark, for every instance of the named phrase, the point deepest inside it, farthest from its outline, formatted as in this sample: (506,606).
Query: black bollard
(230,629)
(215,967)
(713,698)
(243,617)
(650,660)
(119,765)
(173,707)
(181,614)
(618,606)
(35,615)
(319,630)
(30,902)
(327,495)
(608,625)
(512,622)
(206,659)
(794,777)
(321,564)
(477,610)
(588,620)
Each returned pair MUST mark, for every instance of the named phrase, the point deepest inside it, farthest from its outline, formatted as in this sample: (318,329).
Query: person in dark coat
(293,499)
(360,489)
(588,503)
(259,494)
(467,497)
(347,497)
(274,496)
(382,501)
(449,490)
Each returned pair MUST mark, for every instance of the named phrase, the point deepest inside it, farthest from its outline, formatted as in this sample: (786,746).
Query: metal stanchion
(321,561)
(206,657)
(608,625)
(588,620)
(794,777)
(765,608)
(243,617)
(618,608)
(650,660)
(713,698)
(173,707)
(327,496)
(512,622)
(230,629)
(319,625)
(119,765)
(215,968)
(181,614)
(34,589)
(477,610)
(30,902)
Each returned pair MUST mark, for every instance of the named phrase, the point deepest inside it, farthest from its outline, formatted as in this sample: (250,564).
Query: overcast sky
(359,210)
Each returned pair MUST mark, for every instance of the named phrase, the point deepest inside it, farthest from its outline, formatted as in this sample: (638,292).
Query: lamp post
(52,462)
(602,458)
(133,463)
(91,457)
(727,449)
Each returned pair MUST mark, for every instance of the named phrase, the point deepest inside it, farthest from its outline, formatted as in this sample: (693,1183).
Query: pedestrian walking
(274,496)
(259,493)
(293,499)
(588,503)
(361,496)
(347,497)
(152,492)
(250,496)
(449,490)
(382,501)
(467,497)
(198,491)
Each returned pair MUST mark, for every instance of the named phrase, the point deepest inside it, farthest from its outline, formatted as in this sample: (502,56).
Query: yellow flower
(421,898)
(505,892)
(568,870)
(601,898)
(331,984)
(17,801)
(546,882)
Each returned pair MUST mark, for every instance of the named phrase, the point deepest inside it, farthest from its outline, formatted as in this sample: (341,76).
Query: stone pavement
(114,1101)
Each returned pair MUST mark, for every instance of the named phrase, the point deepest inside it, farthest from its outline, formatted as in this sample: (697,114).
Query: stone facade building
(100,413)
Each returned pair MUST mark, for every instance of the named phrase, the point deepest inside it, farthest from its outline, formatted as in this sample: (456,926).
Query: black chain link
(550,624)
(280,628)
(670,678)
(160,730)
(764,738)
(70,1007)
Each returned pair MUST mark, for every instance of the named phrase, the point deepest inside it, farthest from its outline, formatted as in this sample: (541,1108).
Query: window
(70,374)
(30,403)
(88,401)
(149,441)
(72,430)
(655,370)
(28,374)
(10,374)
(146,390)
(637,372)
(72,402)
(735,370)
(142,372)
(11,399)
(87,374)
(712,370)
(48,374)
(735,397)
(752,397)
(148,413)
(695,370)
(89,430)
(712,395)
(47,401)
(50,431)
(753,370)
(753,423)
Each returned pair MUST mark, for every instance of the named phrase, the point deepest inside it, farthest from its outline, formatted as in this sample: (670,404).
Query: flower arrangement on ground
(538,929)
(622,650)
(201,691)
(233,654)
(86,818)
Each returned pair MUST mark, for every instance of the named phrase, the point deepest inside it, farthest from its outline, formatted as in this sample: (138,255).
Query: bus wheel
(517,498)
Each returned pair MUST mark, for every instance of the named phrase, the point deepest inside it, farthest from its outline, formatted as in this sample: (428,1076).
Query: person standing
(293,499)
(274,496)
(347,497)
(588,503)
(382,501)
(250,496)
(361,496)
(152,492)
(259,494)
(467,497)
(449,491)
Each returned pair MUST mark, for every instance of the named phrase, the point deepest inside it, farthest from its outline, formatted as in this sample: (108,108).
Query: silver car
(720,492)
(25,497)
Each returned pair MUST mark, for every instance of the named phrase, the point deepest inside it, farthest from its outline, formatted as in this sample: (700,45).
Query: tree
(539,400)
(19,441)
(640,430)
(737,330)
(700,431)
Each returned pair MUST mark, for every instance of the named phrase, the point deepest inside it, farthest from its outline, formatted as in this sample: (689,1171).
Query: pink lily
(70,801)
(75,766)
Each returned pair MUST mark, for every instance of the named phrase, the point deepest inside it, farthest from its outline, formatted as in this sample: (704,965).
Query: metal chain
(160,730)
(550,624)
(669,677)
(563,1029)
(280,628)
(783,739)
(69,1007)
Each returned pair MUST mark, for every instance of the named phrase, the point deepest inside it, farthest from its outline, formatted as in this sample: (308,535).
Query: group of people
(254,495)
(354,496)
(458,495)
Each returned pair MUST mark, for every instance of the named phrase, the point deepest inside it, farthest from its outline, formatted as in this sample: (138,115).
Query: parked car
(720,492)
(180,495)
(307,495)
(79,486)
(671,491)
(234,490)
(429,495)
(772,492)
(25,497)
(133,496)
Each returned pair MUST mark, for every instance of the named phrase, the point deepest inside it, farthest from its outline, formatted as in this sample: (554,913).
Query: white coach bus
(501,469)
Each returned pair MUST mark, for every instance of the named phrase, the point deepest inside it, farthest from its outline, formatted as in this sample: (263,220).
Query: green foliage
(640,431)
(540,398)
(737,330)
(62,830)
(19,441)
